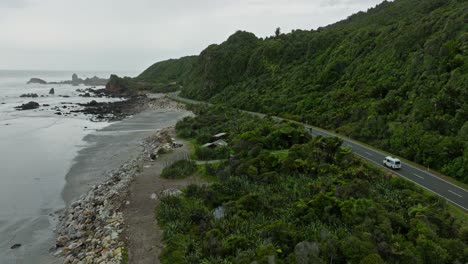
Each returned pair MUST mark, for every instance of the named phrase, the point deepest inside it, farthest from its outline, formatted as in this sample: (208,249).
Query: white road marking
(455,193)
(370,154)
(418,176)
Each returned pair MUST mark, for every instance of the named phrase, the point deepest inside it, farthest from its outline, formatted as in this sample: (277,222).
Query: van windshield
(397,162)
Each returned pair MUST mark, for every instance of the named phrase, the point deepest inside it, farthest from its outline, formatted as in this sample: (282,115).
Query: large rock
(171,192)
(75,80)
(15,246)
(62,241)
(96,81)
(52,91)
(37,80)
(119,86)
(28,106)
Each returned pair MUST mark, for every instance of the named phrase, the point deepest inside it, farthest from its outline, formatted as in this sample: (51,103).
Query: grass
(191,146)
(124,256)
(179,169)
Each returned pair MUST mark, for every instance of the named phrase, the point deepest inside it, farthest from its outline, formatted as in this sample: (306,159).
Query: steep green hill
(395,77)
(165,76)
(168,71)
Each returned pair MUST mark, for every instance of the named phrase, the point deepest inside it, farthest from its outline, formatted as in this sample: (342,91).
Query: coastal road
(422,177)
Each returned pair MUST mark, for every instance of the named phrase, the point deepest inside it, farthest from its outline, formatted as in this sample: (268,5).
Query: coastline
(98,179)
(142,235)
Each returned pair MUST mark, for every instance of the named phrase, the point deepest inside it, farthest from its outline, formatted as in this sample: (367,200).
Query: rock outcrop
(32,95)
(104,111)
(75,81)
(95,81)
(52,91)
(28,106)
(117,85)
(36,80)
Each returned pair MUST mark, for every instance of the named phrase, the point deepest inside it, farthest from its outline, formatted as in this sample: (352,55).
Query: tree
(277,32)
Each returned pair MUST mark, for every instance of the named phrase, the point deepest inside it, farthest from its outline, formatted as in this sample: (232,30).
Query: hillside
(395,77)
(173,70)
(165,76)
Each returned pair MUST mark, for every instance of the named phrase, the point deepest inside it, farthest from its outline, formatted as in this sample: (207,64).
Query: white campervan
(391,162)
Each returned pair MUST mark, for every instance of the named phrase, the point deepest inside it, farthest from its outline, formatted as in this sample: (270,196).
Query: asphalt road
(422,177)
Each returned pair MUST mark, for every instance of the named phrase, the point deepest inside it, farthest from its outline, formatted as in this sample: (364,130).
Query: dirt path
(144,237)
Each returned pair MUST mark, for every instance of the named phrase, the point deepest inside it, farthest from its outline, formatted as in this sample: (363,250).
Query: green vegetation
(288,198)
(179,169)
(268,134)
(124,256)
(162,77)
(168,71)
(165,76)
(394,77)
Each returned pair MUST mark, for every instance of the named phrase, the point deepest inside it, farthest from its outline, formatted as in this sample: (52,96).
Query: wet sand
(112,146)
(35,156)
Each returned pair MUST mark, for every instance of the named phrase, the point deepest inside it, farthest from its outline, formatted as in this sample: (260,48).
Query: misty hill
(395,77)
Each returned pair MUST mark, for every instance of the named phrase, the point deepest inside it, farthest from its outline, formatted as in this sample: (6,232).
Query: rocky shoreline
(89,231)
(102,111)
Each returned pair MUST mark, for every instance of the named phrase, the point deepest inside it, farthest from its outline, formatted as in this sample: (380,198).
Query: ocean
(37,149)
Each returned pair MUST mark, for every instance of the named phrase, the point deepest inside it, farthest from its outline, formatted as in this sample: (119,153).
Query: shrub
(179,169)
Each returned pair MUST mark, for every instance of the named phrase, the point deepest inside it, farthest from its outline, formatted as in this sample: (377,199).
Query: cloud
(348,3)
(12,4)
(127,35)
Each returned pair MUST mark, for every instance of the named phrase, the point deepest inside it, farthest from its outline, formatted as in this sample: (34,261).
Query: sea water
(37,148)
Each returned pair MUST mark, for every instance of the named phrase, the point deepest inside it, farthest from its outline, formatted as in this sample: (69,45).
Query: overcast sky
(133,34)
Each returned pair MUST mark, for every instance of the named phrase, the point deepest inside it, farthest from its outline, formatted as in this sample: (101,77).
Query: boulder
(15,246)
(36,80)
(52,91)
(62,241)
(28,106)
(171,192)
(93,103)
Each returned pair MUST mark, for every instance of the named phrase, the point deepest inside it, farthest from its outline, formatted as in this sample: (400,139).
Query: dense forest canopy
(394,77)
